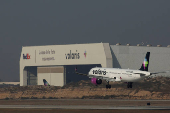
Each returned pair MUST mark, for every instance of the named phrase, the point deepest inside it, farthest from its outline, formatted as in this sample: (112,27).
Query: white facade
(52,78)
(60,55)
(53,75)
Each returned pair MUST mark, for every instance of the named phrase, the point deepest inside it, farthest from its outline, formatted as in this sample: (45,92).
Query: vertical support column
(28,78)
(21,72)
(107,50)
(104,65)
(64,75)
(24,78)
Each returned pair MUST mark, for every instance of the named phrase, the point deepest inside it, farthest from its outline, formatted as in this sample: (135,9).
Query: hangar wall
(60,55)
(132,57)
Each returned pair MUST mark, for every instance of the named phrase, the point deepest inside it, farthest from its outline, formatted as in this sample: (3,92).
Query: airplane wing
(93,76)
(141,74)
(99,77)
(104,78)
(81,73)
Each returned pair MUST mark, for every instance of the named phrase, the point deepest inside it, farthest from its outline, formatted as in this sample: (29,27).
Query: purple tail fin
(46,83)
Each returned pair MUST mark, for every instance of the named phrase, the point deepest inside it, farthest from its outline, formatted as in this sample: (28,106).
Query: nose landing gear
(108,85)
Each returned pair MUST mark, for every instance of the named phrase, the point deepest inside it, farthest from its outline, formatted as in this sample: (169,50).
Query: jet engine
(96,81)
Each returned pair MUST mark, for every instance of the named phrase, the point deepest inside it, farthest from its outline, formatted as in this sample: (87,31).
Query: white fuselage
(116,74)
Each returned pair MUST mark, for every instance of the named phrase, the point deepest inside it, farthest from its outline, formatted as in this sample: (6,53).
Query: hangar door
(53,75)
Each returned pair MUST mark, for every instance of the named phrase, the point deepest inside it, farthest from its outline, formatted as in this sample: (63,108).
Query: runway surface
(85,104)
(84,107)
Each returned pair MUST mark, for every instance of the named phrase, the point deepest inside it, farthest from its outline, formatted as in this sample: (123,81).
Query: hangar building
(48,62)
(51,62)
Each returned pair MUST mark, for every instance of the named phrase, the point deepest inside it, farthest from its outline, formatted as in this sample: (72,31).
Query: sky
(53,22)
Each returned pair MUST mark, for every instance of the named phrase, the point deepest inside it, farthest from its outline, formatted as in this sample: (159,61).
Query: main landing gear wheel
(108,85)
(129,85)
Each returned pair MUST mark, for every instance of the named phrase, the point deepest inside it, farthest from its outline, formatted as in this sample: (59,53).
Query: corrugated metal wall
(133,56)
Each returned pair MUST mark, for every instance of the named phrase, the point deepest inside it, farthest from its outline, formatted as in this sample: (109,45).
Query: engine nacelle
(96,81)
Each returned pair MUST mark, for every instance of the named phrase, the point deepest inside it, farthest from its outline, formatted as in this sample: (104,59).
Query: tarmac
(84,104)
(92,107)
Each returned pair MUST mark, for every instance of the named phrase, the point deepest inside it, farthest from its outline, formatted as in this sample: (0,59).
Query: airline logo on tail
(46,83)
(85,53)
(145,63)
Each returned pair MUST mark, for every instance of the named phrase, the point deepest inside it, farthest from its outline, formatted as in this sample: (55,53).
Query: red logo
(27,56)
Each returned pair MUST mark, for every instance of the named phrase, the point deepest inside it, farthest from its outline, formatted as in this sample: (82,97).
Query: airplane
(46,83)
(128,76)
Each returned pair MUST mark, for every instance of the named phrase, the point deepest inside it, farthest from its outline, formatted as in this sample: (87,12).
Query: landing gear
(108,85)
(129,85)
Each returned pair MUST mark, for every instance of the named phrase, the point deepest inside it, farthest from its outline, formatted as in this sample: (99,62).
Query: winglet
(79,73)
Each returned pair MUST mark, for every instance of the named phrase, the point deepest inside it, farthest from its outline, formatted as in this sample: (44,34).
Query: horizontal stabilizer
(160,72)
